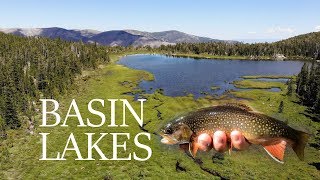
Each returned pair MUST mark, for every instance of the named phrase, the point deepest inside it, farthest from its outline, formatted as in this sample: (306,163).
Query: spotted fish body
(228,118)
(257,128)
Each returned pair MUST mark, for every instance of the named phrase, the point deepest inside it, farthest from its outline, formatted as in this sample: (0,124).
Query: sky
(224,19)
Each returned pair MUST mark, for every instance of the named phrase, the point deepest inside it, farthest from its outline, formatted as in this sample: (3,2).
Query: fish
(257,128)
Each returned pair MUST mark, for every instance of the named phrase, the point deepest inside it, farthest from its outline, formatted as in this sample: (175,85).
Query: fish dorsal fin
(276,151)
(280,118)
(239,106)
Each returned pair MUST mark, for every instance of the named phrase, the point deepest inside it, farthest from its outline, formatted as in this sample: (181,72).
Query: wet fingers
(220,141)
(238,141)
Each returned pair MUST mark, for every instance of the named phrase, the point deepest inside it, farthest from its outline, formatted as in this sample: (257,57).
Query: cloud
(252,32)
(279,29)
(317,28)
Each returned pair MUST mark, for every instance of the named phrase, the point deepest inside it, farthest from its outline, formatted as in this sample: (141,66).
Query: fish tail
(299,145)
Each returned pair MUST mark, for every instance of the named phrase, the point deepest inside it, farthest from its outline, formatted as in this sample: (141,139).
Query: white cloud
(252,32)
(317,28)
(279,29)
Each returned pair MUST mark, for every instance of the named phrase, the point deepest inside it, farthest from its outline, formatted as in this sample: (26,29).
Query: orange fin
(276,151)
(193,148)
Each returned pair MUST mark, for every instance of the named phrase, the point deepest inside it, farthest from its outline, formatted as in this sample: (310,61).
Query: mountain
(172,36)
(54,32)
(124,38)
(112,38)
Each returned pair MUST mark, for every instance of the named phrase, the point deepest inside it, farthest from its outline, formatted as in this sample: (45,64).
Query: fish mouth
(168,139)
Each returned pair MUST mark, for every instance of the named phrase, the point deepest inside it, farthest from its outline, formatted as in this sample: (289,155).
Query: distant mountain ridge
(114,37)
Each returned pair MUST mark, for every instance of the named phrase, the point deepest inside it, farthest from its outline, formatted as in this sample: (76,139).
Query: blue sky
(224,19)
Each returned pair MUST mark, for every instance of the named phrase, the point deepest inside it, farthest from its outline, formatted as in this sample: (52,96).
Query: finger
(204,142)
(220,141)
(238,141)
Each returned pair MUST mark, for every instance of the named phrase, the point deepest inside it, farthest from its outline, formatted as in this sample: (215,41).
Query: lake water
(181,76)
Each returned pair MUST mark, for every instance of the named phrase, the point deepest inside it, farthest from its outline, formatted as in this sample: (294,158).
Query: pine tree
(3,134)
(302,80)
(10,114)
(281,107)
(309,96)
(316,106)
(290,88)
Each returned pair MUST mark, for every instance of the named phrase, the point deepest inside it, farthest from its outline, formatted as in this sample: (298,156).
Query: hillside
(306,46)
(31,68)
(302,45)
(112,38)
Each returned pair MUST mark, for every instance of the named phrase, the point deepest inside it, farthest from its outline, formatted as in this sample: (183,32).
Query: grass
(20,152)
(267,77)
(252,84)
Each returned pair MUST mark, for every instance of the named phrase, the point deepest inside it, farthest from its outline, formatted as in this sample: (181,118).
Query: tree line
(305,46)
(35,67)
(308,86)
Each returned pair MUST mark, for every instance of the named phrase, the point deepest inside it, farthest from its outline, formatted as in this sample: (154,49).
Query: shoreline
(262,58)
(208,57)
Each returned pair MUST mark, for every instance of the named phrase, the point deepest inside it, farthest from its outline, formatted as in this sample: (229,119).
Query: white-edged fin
(276,151)
(273,157)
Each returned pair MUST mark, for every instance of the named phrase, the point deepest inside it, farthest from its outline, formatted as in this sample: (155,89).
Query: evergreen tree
(3,134)
(10,114)
(302,79)
(290,88)
(281,107)
(316,106)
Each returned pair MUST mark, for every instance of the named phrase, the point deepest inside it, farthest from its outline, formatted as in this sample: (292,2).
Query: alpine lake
(200,77)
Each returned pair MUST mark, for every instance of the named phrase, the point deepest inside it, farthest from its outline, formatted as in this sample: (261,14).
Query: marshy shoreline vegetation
(267,77)
(20,149)
(253,84)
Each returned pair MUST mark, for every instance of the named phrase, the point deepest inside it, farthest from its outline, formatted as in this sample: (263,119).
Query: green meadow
(20,152)
(253,84)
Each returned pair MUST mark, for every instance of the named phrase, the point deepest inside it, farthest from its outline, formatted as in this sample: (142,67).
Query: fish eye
(168,130)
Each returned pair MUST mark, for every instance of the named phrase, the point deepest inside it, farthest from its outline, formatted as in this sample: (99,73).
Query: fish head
(176,133)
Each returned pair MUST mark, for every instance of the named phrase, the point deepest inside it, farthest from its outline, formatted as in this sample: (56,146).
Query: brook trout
(257,128)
